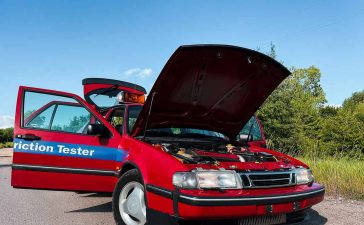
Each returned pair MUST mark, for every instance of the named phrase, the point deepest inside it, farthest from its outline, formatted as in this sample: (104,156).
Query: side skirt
(64,170)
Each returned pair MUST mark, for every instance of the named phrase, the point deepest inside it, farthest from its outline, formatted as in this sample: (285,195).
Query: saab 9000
(178,156)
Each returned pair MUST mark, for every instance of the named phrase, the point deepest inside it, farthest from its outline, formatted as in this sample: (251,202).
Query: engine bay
(210,152)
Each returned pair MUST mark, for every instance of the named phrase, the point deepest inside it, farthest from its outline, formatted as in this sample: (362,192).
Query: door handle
(28,137)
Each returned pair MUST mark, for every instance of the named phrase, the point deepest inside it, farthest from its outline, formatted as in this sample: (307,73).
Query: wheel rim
(131,204)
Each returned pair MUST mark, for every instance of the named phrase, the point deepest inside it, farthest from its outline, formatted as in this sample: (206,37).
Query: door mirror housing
(98,130)
(244,138)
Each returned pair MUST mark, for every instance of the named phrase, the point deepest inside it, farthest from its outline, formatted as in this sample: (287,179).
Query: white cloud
(333,105)
(6,121)
(138,72)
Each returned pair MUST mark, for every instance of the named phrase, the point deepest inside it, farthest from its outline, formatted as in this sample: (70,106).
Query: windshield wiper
(194,135)
(249,134)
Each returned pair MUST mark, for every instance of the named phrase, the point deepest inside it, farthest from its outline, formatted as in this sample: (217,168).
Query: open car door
(52,147)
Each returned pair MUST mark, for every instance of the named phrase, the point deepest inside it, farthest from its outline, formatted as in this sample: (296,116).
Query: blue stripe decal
(69,150)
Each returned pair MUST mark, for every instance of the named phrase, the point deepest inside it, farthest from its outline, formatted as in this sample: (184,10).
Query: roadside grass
(342,177)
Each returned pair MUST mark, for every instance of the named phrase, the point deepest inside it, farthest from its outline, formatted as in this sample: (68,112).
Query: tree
(297,121)
(6,135)
(354,100)
(290,115)
(272,51)
(343,134)
(328,111)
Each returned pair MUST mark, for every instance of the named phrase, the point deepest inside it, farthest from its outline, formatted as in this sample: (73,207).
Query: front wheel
(128,201)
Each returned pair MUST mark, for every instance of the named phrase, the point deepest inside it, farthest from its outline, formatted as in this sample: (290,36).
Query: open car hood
(211,87)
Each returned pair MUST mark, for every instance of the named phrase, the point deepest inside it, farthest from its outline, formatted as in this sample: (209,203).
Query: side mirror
(244,138)
(98,130)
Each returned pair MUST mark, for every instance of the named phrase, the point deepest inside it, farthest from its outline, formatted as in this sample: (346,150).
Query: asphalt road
(39,207)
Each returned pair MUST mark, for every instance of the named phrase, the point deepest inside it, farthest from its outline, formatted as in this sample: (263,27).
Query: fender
(153,163)
(129,165)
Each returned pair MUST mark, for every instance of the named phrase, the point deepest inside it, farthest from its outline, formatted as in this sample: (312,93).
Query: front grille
(267,179)
(264,220)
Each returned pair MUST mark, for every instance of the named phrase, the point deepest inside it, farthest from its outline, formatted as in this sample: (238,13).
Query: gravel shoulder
(39,207)
(338,211)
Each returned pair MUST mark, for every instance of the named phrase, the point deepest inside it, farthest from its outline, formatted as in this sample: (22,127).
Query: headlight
(185,180)
(304,176)
(207,179)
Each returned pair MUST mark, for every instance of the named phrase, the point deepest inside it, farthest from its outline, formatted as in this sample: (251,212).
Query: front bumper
(251,200)
(180,205)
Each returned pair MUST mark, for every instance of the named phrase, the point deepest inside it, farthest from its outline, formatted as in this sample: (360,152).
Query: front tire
(128,201)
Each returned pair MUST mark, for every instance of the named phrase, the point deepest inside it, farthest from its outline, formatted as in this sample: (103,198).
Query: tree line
(6,135)
(6,138)
(298,121)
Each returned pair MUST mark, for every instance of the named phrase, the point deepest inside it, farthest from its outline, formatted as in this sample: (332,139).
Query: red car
(181,156)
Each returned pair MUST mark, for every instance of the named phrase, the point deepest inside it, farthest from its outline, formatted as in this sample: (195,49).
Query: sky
(55,44)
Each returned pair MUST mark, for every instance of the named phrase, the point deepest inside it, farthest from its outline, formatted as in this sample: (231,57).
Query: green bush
(6,145)
(6,138)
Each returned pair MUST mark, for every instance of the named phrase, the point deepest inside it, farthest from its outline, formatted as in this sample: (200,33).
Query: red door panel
(52,149)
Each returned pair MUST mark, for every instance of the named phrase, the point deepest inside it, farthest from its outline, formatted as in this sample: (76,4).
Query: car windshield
(172,132)
(184,133)
(192,132)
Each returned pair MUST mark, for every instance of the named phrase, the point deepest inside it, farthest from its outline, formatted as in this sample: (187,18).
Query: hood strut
(149,111)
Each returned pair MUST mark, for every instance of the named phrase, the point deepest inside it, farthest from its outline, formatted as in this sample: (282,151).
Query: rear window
(104,98)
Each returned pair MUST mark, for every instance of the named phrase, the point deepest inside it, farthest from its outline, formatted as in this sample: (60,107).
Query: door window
(57,113)
(71,118)
(42,120)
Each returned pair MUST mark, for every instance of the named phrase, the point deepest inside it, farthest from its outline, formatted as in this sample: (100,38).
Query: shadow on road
(106,207)
(313,218)
(98,195)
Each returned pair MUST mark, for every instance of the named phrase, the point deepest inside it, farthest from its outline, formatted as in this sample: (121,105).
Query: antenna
(150,110)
